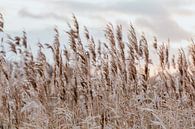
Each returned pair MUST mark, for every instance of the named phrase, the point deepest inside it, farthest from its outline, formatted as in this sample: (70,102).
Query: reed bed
(106,85)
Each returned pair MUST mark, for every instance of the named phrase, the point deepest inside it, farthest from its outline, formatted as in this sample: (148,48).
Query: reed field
(99,85)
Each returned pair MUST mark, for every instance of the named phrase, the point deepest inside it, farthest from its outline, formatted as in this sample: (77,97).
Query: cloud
(155,15)
(164,28)
(26,13)
(133,7)
(130,7)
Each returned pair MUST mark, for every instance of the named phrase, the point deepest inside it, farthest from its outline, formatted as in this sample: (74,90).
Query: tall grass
(102,86)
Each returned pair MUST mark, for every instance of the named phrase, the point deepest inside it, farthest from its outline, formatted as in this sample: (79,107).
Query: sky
(173,19)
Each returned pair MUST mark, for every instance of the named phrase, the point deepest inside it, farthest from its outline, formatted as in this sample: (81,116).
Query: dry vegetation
(102,86)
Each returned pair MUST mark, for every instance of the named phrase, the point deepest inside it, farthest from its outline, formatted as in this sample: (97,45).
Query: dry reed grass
(106,85)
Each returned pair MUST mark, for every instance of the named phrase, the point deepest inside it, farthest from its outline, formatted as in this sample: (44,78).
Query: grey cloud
(26,13)
(179,7)
(131,7)
(165,28)
(136,7)
(143,7)
(156,15)
(179,3)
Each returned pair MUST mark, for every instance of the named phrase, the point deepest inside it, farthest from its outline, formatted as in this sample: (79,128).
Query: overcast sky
(174,19)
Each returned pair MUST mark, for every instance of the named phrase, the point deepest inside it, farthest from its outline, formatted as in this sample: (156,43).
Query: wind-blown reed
(104,85)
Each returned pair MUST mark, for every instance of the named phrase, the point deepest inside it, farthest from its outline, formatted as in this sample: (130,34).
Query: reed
(104,85)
